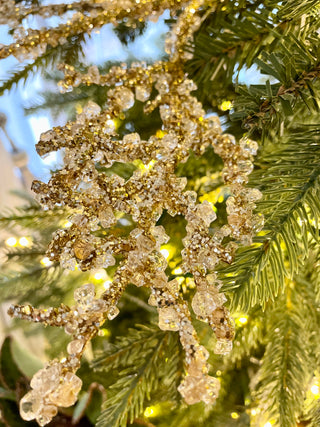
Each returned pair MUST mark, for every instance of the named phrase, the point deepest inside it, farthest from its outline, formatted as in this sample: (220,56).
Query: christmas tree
(174,255)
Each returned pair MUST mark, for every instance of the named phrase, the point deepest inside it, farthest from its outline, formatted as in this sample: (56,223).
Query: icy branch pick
(95,197)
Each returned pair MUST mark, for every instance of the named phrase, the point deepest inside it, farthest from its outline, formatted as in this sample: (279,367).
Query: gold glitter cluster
(86,16)
(90,145)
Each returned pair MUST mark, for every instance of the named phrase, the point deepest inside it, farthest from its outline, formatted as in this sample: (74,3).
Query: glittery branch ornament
(90,144)
(56,384)
(86,17)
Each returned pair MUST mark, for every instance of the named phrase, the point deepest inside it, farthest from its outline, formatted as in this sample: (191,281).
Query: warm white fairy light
(46,261)
(315,389)
(11,241)
(24,241)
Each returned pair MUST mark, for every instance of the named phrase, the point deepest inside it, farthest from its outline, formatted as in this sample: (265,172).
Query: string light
(177,271)
(152,411)
(46,261)
(149,412)
(315,390)
(226,105)
(243,320)
(235,415)
(148,166)
(99,275)
(66,224)
(165,252)
(24,241)
(104,332)
(11,241)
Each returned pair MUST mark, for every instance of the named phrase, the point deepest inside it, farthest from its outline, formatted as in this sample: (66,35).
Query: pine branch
(289,180)
(69,52)
(56,101)
(287,364)
(20,285)
(290,9)
(248,337)
(297,70)
(142,355)
(32,217)
(235,35)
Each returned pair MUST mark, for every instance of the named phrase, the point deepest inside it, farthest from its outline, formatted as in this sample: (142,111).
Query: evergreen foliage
(274,285)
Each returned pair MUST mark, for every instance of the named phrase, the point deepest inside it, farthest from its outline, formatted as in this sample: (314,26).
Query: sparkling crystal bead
(71,327)
(123,97)
(113,312)
(83,249)
(162,85)
(257,222)
(165,112)
(132,139)
(47,378)
(75,346)
(223,347)
(153,300)
(46,415)
(214,124)
(142,93)
(245,166)
(248,145)
(168,319)
(91,109)
(67,261)
(213,388)
(158,260)
(252,194)
(66,394)
(85,294)
(98,305)
(106,217)
(195,389)
(104,261)
(204,303)
(30,405)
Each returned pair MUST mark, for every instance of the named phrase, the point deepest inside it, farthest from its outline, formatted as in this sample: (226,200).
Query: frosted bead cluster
(56,385)
(98,201)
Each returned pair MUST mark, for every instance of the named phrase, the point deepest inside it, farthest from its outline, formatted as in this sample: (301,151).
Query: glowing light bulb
(24,241)
(66,224)
(104,332)
(11,241)
(99,275)
(243,320)
(149,412)
(177,271)
(46,261)
(225,106)
(160,133)
(268,424)
(149,165)
(165,253)
(220,199)
(315,389)
(235,415)
(107,284)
